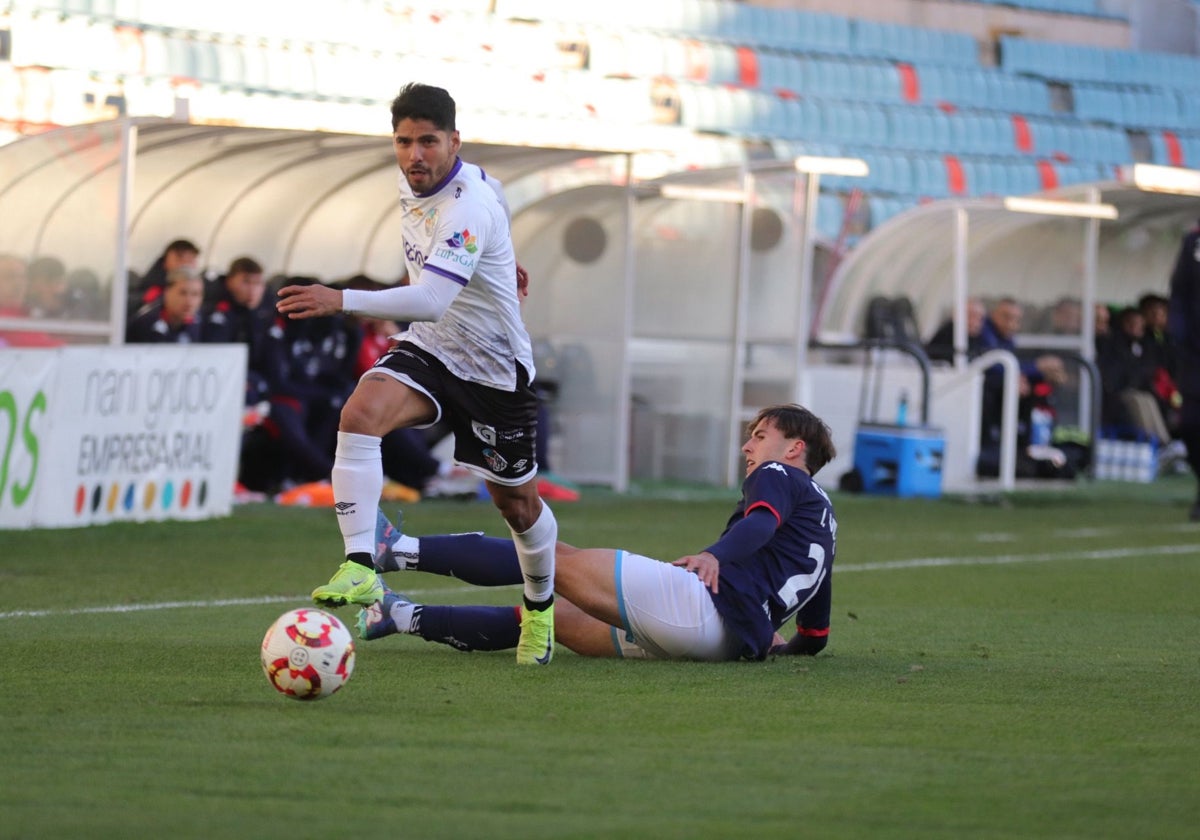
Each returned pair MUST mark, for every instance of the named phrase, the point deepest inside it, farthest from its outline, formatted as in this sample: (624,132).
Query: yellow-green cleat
(353,584)
(536,646)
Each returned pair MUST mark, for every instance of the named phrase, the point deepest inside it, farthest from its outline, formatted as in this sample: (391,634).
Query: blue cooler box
(900,460)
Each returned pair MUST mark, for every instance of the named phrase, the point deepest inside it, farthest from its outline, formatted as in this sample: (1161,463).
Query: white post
(625,374)
(961,291)
(737,376)
(804,301)
(119,289)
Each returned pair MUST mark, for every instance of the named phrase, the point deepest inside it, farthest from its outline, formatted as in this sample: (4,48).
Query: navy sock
(470,628)
(474,558)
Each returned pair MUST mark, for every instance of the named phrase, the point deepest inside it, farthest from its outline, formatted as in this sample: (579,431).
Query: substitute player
(773,561)
(466,358)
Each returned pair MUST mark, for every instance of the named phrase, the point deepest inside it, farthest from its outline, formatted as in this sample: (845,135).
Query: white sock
(405,554)
(357,485)
(535,551)
(403,616)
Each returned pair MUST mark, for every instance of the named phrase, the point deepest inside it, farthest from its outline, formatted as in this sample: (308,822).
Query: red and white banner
(90,435)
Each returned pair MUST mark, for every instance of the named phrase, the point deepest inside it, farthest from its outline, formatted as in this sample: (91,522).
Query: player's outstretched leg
(471,557)
(464,628)
(386,535)
(379,620)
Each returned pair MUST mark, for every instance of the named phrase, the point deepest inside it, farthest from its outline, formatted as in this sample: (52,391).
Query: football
(307,654)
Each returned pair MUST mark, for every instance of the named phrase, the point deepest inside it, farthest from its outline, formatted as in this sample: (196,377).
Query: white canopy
(1034,258)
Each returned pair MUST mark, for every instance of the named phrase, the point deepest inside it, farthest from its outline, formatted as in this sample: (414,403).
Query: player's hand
(704,565)
(522,281)
(313,301)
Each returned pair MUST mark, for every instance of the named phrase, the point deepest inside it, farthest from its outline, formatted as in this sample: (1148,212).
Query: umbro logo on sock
(343,508)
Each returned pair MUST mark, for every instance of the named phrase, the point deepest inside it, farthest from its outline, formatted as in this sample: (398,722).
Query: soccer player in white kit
(466,358)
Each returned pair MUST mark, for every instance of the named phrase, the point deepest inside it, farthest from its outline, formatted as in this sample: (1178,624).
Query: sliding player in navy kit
(773,561)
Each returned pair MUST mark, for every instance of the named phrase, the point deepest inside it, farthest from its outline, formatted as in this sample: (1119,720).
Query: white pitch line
(302,600)
(883,565)
(1002,559)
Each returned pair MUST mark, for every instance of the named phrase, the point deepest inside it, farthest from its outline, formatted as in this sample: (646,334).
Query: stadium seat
(830,215)
(207,61)
(181,56)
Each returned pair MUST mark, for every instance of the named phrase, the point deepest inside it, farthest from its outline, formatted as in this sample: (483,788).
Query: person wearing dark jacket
(1183,323)
(172,318)
(181,253)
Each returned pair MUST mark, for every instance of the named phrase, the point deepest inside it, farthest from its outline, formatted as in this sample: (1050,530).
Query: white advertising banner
(26,379)
(106,434)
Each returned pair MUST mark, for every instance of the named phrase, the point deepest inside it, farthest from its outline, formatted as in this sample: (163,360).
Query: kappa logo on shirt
(775,466)
(464,240)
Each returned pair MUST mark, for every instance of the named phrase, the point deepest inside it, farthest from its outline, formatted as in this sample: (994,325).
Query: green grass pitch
(1020,668)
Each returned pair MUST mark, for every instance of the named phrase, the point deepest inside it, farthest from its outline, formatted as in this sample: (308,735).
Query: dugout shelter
(676,281)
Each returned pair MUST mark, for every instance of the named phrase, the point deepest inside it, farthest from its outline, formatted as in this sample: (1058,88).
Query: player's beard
(421,178)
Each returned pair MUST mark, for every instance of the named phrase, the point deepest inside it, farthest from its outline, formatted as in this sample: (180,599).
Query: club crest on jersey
(431,222)
(464,240)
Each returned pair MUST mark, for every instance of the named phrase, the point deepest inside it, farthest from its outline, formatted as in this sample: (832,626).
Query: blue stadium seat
(830,214)
(1101,104)
(824,33)
(914,127)
(769,115)
(1026,96)
(929,176)
(773,71)
(901,174)
(791,113)
(782,28)
(722,64)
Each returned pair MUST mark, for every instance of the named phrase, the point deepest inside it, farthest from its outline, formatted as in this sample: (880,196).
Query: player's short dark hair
(46,268)
(417,101)
(798,423)
(181,246)
(244,265)
(1151,299)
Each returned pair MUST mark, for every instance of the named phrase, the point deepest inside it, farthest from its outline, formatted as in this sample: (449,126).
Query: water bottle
(902,410)
(1041,423)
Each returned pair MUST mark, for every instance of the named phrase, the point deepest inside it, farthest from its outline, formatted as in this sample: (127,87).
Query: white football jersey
(460,230)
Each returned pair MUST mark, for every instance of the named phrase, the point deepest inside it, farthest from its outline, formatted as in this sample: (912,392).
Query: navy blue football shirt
(776,556)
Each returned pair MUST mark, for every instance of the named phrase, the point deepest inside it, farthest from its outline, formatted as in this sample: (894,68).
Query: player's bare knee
(354,420)
(520,511)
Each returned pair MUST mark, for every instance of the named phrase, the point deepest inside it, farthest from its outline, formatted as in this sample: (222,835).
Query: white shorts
(666,613)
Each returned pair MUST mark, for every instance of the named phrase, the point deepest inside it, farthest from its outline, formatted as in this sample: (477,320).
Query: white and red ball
(307,654)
